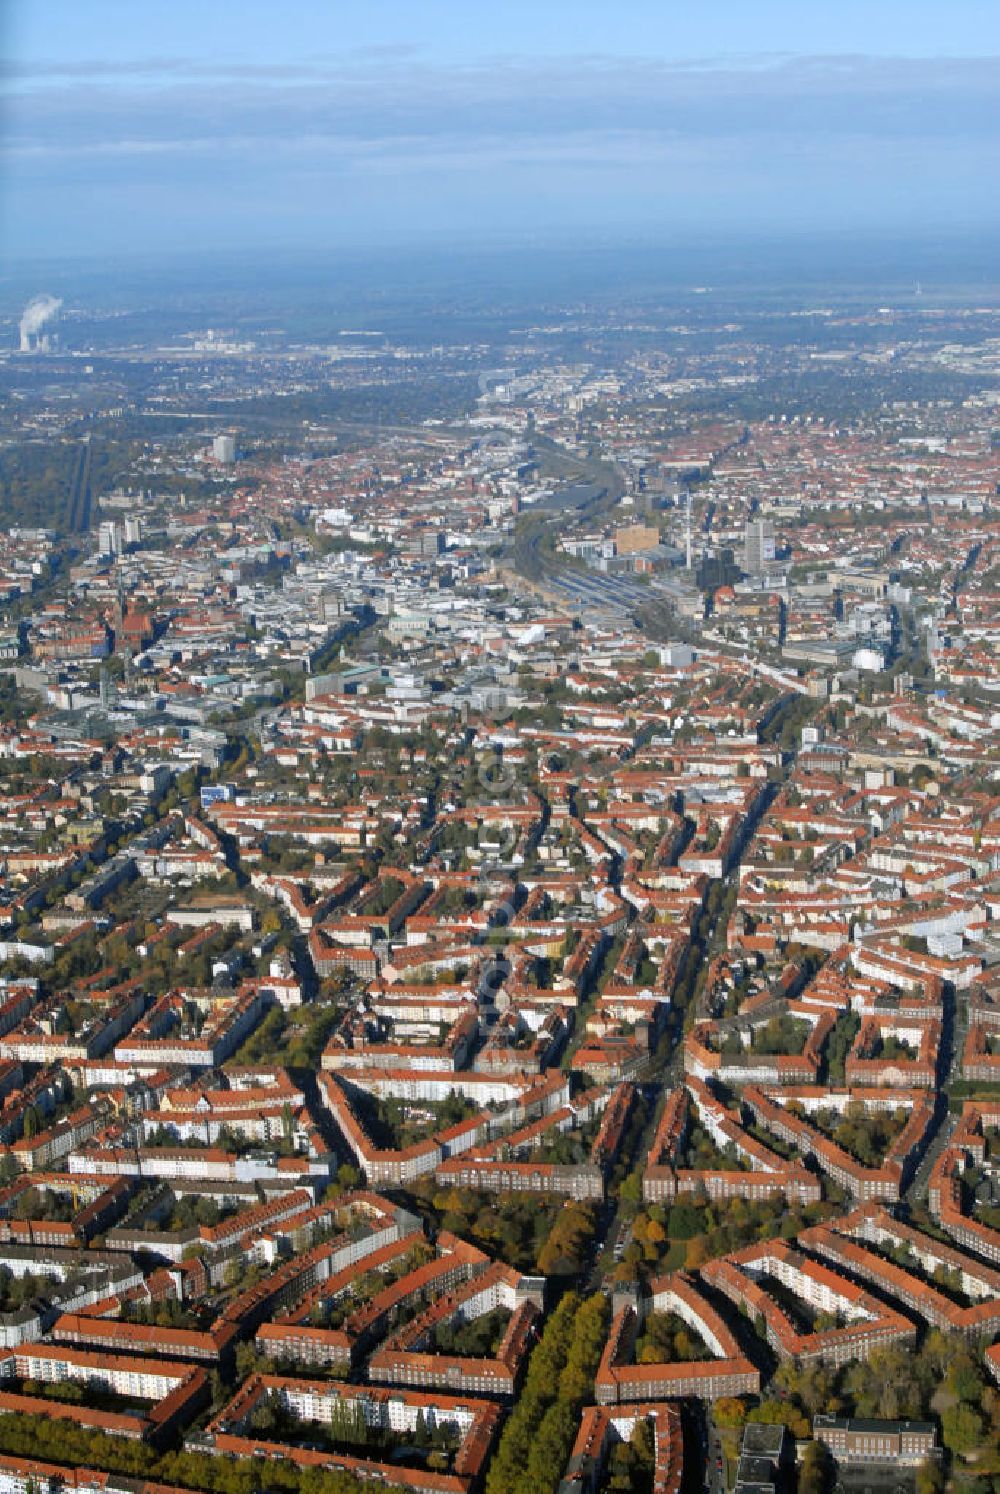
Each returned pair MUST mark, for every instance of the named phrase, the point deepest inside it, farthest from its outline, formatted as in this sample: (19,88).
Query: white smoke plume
(35,315)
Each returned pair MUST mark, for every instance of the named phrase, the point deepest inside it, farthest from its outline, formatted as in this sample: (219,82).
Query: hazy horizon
(227,129)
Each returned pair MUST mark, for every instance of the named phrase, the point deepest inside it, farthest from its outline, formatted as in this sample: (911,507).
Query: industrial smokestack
(37,312)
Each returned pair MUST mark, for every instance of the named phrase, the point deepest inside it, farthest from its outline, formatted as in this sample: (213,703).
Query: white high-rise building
(759,543)
(109,538)
(224,450)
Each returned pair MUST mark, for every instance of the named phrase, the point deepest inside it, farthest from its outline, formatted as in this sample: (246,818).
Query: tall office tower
(759,546)
(133,531)
(109,538)
(224,450)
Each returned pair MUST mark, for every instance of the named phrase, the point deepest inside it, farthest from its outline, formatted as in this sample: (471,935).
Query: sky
(134,128)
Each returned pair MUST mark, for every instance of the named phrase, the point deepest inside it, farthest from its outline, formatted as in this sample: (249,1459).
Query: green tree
(814,1473)
(961,1428)
(730,1411)
(930,1477)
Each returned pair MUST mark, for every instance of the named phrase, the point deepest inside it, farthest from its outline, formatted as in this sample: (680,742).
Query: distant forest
(35,482)
(37,476)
